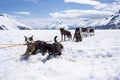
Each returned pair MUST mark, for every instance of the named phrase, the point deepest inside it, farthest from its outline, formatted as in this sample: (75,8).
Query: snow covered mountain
(7,23)
(68,24)
(112,22)
(53,25)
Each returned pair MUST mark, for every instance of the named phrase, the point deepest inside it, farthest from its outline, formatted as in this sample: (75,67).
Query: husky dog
(43,47)
(33,47)
(65,33)
(77,35)
(91,31)
(53,49)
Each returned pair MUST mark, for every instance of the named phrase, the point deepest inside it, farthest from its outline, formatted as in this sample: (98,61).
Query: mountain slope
(112,22)
(6,23)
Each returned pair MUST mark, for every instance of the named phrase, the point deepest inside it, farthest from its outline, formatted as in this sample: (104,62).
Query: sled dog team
(55,49)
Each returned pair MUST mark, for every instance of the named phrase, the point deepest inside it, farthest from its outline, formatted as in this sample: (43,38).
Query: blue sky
(43,12)
(42,8)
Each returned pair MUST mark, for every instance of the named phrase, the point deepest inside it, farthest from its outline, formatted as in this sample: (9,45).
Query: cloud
(89,2)
(114,6)
(22,13)
(92,14)
(34,1)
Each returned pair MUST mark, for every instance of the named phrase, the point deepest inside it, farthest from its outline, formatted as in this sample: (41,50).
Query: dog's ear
(31,38)
(25,37)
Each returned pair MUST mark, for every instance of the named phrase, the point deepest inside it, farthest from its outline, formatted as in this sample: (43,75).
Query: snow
(95,58)
(11,24)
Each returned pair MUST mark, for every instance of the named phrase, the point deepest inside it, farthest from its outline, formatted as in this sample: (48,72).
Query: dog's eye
(30,38)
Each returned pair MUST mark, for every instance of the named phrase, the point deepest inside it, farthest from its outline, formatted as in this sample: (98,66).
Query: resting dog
(43,47)
(52,49)
(34,48)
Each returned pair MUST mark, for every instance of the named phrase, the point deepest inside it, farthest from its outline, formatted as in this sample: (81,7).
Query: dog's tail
(55,38)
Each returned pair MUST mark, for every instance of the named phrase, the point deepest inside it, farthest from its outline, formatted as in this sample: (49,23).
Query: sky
(65,9)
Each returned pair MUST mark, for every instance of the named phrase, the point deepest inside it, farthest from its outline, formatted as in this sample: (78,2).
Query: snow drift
(95,58)
(6,23)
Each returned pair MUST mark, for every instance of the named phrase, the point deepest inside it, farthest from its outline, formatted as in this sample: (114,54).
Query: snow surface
(11,24)
(95,58)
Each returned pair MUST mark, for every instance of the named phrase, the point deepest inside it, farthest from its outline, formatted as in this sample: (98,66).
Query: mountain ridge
(112,22)
(7,23)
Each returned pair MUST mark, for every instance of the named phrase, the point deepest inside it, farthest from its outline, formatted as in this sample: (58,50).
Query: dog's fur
(77,35)
(44,47)
(29,39)
(88,31)
(65,33)
(34,48)
(53,49)
(84,29)
(91,31)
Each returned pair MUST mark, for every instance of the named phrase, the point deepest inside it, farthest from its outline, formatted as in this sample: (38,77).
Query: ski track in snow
(95,58)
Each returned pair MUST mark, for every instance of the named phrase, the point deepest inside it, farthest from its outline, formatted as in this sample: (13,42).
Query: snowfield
(8,23)
(95,58)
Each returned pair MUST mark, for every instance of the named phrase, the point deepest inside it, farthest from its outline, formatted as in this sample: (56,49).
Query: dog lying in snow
(42,47)
(52,49)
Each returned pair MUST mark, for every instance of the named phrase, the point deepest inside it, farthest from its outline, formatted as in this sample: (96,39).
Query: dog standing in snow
(77,35)
(65,33)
